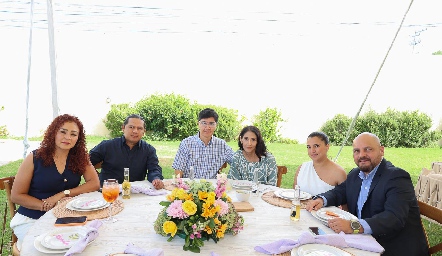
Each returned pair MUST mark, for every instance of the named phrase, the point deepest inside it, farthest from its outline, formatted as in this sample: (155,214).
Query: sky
(310,63)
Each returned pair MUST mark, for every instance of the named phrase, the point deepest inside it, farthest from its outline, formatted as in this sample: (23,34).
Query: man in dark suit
(382,197)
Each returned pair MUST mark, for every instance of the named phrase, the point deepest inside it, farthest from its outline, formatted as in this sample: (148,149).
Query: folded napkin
(214,254)
(358,241)
(136,189)
(91,234)
(133,249)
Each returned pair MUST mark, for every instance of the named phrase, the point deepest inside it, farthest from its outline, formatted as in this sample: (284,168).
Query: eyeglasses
(205,124)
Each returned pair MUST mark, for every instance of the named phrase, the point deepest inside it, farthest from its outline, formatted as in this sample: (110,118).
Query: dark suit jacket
(391,209)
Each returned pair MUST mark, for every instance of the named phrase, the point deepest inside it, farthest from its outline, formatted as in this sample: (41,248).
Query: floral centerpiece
(196,211)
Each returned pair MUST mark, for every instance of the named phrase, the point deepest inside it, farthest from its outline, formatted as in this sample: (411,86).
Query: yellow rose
(181,194)
(169,227)
(189,207)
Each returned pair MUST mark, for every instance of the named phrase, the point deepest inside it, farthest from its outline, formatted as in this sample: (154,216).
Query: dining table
(264,224)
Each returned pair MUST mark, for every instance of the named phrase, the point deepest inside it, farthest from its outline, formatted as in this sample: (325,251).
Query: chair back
(281,171)
(433,215)
(222,167)
(6,185)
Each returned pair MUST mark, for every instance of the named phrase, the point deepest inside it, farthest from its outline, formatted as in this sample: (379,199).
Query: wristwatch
(67,192)
(355,225)
(315,197)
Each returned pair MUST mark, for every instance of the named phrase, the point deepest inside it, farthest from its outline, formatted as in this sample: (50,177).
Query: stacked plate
(289,194)
(84,204)
(59,240)
(326,213)
(242,184)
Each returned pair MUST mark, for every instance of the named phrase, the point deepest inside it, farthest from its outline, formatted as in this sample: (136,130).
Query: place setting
(84,204)
(93,207)
(326,213)
(289,194)
(60,240)
(284,197)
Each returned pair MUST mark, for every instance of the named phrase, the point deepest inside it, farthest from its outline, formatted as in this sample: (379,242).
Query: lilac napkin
(133,249)
(214,254)
(136,189)
(362,242)
(92,233)
(358,241)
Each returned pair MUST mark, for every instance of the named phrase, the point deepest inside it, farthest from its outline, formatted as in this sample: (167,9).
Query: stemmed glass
(110,193)
(255,185)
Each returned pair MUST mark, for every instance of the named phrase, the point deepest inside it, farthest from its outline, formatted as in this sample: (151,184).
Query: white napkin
(133,249)
(91,234)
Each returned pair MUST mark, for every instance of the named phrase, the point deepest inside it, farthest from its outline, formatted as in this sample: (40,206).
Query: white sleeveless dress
(309,180)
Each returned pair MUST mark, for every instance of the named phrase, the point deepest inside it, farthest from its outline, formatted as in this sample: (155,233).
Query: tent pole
(28,80)
(55,108)
(353,122)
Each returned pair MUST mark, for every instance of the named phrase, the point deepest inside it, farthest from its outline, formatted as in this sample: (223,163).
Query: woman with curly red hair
(52,172)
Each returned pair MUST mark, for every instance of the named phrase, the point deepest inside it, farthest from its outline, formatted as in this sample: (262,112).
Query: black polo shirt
(116,155)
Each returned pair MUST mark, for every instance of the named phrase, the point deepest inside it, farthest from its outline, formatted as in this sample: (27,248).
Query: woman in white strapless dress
(321,174)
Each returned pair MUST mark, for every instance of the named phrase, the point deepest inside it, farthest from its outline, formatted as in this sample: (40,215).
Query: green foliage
(3,131)
(409,129)
(115,118)
(336,128)
(437,53)
(229,123)
(268,123)
(168,117)
(172,117)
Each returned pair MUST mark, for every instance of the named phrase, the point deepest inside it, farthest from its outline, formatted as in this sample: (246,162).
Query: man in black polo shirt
(128,151)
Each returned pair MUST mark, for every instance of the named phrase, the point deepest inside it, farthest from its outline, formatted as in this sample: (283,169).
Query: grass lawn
(290,155)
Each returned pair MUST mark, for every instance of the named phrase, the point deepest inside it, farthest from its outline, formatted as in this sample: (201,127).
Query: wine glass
(255,185)
(110,193)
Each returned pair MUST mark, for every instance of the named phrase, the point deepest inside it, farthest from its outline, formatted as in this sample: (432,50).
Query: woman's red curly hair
(78,155)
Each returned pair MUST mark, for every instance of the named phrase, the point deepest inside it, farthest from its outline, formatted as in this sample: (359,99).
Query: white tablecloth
(267,223)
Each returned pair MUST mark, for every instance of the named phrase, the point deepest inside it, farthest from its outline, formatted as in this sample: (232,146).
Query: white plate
(322,213)
(289,194)
(318,250)
(88,203)
(316,216)
(63,238)
(70,207)
(41,248)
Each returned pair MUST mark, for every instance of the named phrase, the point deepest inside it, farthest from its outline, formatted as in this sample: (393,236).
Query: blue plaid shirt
(206,160)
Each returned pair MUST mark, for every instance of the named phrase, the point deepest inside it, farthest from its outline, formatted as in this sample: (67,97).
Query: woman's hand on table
(52,201)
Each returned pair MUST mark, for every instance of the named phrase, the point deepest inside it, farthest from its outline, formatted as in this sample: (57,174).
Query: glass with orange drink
(110,193)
